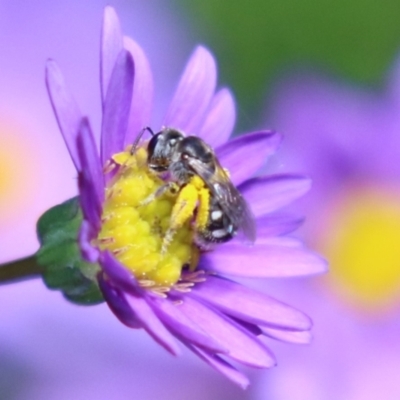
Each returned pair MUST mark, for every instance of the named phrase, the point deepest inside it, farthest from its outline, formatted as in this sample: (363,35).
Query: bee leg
(169,187)
(203,210)
(183,209)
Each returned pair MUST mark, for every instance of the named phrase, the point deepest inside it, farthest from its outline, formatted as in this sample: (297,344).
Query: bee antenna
(137,140)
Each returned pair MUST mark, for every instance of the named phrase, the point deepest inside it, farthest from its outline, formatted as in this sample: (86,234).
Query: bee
(190,167)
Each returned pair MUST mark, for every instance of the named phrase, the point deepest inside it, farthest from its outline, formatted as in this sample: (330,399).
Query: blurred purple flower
(348,140)
(217,318)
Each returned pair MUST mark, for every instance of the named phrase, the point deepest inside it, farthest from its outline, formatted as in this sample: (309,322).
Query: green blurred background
(256,41)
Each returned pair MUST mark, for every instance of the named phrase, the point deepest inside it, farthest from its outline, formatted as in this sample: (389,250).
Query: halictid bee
(189,166)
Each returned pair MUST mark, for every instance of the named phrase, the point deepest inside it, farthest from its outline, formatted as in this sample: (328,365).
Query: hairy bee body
(187,160)
(219,228)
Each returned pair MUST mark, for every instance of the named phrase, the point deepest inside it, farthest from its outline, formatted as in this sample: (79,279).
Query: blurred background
(327,76)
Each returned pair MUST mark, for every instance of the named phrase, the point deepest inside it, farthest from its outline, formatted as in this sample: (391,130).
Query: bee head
(162,147)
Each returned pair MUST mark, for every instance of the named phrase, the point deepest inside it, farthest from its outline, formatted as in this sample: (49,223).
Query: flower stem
(19,270)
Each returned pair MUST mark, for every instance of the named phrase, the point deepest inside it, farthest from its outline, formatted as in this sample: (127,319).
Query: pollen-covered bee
(188,165)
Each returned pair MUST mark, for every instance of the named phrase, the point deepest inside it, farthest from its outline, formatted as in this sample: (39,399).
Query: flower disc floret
(133,229)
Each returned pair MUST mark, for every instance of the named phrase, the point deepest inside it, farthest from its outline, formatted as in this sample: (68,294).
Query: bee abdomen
(219,229)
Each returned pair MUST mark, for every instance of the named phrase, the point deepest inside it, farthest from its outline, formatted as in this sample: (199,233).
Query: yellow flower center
(134,228)
(17,181)
(362,243)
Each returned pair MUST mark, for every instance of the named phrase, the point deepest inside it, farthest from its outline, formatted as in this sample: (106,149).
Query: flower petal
(152,324)
(91,182)
(86,235)
(249,305)
(283,241)
(245,155)
(111,46)
(243,346)
(269,193)
(194,93)
(182,327)
(270,227)
(134,312)
(302,337)
(117,303)
(222,366)
(253,329)
(220,119)
(116,106)
(120,275)
(276,225)
(143,88)
(65,109)
(263,260)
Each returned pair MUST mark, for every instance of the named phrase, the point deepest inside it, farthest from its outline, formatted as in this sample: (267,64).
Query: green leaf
(60,256)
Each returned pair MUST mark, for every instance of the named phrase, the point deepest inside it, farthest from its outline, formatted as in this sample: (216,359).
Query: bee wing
(247,223)
(229,198)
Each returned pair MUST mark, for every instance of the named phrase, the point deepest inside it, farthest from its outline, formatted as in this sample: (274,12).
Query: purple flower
(218,319)
(348,140)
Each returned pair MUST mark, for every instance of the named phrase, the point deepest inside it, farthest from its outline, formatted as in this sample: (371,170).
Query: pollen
(134,229)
